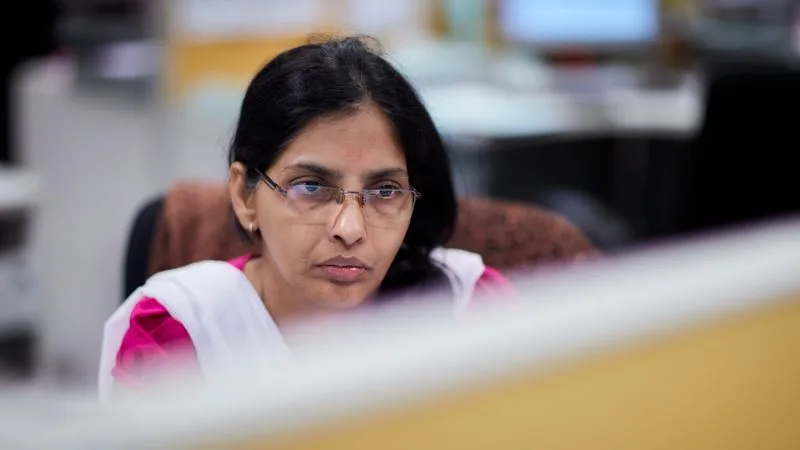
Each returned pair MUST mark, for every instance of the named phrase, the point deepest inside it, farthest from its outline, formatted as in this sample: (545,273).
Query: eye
(307,187)
(387,191)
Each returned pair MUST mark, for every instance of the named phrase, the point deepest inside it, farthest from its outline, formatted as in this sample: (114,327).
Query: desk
(522,97)
(476,116)
(506,114)
(485,102)
(513,113)
(630,117)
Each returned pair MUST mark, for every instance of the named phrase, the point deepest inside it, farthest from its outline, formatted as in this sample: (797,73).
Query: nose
(348,226)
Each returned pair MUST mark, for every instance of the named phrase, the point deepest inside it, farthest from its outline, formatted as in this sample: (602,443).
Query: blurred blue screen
(584,22)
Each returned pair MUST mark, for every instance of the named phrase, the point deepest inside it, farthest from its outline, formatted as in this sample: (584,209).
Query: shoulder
(493,282)
(493,293)
(491,276)
(202,273)
(153,338)
(151,323)
(469,267)
(155,321)
(197,272)
(203,282)
(470,277)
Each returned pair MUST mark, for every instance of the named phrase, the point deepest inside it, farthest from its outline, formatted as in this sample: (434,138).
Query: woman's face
(322,252)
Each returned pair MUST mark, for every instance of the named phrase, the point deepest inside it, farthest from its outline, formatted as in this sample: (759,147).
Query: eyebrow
(327,172)
(316,169)
(386,173)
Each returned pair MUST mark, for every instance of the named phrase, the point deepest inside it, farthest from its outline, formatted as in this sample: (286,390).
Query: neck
(276,294)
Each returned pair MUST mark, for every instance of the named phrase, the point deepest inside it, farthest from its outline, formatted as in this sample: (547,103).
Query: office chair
(140,241)
(192,223)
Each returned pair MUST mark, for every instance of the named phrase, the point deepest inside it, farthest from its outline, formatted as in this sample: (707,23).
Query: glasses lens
(310,197)
(314,202)
(388,203)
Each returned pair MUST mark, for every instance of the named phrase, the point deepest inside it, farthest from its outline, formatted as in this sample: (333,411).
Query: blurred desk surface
(486,111)
(472,92)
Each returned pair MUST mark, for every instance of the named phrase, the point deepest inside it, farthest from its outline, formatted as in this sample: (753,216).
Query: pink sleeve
(493,292)
(153,338)
(240,261)
(493,282)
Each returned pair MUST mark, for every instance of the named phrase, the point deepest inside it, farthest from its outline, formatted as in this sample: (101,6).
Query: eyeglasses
(314,201)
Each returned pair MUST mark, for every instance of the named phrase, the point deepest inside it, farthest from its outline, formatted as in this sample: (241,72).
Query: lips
(343,270)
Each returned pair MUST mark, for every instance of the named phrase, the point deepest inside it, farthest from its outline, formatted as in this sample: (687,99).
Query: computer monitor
(559,24)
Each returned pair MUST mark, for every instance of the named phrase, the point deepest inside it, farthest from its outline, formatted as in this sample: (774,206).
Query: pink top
(154,337)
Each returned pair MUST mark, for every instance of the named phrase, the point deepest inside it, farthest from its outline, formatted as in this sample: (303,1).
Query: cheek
(287,244)
(387,242)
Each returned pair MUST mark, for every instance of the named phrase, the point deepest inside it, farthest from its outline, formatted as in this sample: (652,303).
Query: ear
(242,199)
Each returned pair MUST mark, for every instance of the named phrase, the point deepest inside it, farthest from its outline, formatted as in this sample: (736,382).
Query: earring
(252,227)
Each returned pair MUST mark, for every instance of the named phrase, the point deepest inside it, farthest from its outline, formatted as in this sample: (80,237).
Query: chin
(343,297)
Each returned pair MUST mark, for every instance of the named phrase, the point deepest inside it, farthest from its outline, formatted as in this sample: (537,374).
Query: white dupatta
(224,315)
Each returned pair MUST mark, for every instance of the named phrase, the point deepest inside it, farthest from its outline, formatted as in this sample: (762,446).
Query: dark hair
(335,77)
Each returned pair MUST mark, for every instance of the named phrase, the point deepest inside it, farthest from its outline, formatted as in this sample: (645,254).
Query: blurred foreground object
(691,346)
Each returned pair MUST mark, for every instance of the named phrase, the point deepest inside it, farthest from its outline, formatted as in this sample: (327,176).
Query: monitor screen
(579,22)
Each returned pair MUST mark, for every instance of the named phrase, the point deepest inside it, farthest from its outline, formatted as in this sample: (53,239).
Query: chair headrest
(197,224)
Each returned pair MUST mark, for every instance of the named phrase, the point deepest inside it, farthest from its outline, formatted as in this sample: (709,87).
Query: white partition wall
(685,347)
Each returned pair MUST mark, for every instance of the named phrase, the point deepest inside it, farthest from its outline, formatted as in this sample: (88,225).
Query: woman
(337,170)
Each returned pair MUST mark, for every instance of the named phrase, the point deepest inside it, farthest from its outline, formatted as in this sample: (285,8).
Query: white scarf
(224,315)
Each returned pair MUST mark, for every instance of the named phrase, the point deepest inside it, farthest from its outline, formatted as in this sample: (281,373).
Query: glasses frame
(361,195)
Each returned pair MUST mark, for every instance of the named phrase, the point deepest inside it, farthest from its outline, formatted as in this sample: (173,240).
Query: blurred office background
(640,121)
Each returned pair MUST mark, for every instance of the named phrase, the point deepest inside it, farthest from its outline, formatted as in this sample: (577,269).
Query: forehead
(352,144)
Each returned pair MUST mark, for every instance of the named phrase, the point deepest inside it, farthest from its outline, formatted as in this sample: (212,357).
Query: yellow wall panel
(729,385)
(233,61)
